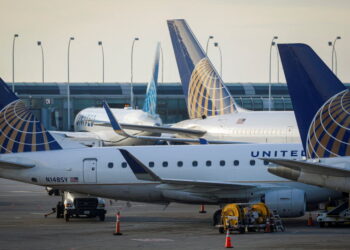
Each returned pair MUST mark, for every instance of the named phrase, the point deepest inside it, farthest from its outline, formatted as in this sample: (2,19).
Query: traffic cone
(202,210)
(117,225)
(310,221)
(268,226)
(228,240)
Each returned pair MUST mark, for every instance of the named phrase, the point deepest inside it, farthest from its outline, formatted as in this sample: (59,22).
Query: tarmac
(144,226)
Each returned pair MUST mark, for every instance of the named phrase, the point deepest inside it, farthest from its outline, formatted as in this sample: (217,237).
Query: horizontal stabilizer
(16,163)
(310,167)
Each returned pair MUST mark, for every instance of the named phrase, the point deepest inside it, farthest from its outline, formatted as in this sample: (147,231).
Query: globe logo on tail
(21,132)
(207,95)
(329,132)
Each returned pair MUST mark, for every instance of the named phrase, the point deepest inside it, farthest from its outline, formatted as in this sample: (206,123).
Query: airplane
(210,105)
(194,174)
(323,122)
(216,117)
(91,124)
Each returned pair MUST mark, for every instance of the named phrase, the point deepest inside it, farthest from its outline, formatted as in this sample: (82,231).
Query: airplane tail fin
(205,92)
(150,105)
(19,130)
(321,102)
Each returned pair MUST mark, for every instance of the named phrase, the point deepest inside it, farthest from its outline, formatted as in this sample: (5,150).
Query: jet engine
(287,202)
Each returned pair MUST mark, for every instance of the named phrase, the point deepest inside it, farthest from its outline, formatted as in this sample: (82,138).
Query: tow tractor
(249,218)
(334,215)
(76,205)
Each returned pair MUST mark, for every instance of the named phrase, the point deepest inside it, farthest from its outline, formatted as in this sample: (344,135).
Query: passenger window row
(208,163)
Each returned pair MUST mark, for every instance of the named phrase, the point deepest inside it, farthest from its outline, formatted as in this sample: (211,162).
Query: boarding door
(90,170)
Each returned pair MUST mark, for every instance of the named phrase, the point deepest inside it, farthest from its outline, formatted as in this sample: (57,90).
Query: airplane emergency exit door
(90,170)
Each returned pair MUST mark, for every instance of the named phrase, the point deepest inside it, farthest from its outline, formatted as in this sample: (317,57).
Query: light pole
(216,44)
(334,55)
(278,64)
(42,60)
(13,61)
(68,89)
(272,44)
(132,68)
(206,48)
(161,52)
(103,61)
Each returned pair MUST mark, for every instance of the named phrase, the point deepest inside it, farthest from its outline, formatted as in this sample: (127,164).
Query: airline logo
(21,132)
(207,95)
(329,132)
(151,98)
(150,105)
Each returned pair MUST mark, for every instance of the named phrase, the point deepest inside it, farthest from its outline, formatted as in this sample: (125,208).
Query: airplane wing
(144,173)
(310,167)
(156,129)
(119,130)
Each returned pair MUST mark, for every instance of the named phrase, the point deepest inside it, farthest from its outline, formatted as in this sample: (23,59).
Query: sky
(243,28)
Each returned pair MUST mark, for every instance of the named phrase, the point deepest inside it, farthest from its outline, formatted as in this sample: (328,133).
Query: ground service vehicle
(249,218)
(76,205)
(334,215)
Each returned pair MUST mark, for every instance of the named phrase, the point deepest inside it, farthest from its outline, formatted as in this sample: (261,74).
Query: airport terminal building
(48,101)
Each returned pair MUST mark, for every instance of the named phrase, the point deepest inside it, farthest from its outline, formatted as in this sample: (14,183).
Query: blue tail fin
(150,105)
(321,102)
(204,89)
(19,130)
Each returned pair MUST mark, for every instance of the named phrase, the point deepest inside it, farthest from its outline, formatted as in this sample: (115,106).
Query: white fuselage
(245,126)
(103,172)
(248,126)
(92,120)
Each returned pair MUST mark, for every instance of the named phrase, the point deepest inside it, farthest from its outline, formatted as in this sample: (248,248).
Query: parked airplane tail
(205,92)
(150,104)
(321,102)
(19,130)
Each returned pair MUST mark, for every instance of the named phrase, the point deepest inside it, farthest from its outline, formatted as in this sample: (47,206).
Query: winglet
(115,124)
(139,169)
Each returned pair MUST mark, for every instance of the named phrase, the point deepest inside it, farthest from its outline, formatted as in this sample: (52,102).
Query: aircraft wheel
(102,217)
(59,210)
(217,217)
(66,216)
